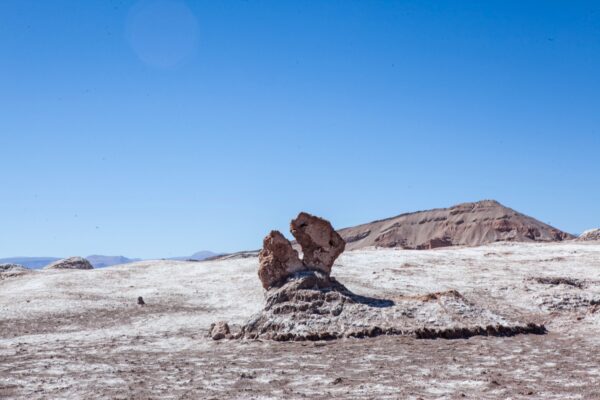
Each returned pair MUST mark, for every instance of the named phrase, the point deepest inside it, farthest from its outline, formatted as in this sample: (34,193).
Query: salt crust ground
(81,334)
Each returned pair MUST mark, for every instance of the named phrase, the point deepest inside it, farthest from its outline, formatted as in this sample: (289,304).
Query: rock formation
(303,302)
(311,306)
(71,263)
(220,330)
(589,235)
(12,270)
(320,244)
(277,260)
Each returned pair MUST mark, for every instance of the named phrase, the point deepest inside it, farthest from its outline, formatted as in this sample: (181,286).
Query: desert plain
(68,334)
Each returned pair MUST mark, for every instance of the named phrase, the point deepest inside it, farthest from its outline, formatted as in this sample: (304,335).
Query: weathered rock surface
(589,235)
(12,270)
(277,260)
(220,330)
(467,224)
(313,306)
(303,302)
(320,243)
(71,263)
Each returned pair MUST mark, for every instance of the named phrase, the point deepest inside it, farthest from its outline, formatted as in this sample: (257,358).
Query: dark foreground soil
(524,366)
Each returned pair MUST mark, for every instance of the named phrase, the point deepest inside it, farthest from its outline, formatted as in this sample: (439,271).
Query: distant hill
(198,256)
(470,224)
(29,262)
(99,261)
(201,255)
(589,235)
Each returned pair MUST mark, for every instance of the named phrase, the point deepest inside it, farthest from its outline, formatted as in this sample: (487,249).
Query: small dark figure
(141,301)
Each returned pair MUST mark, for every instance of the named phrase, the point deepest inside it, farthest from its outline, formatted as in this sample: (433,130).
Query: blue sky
(159,128)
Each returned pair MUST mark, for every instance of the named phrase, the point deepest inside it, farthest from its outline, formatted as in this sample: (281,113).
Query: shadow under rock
(320,283)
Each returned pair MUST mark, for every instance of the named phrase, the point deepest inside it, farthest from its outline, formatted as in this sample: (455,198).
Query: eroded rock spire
(277,260)
(320,244)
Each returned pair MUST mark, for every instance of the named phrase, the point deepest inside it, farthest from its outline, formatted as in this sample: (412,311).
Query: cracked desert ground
(82,335)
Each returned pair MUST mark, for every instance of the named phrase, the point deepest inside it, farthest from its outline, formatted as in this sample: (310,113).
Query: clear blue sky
(161,128)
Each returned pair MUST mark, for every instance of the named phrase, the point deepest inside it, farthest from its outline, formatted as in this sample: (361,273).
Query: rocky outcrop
(435,243)
(304,302)
(12,270)
(467,224)
(312,306)
(220,330)
(589,235)
(71,263)
(277,260)
(320,244)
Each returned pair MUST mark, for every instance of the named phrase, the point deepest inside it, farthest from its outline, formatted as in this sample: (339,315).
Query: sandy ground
(81,334)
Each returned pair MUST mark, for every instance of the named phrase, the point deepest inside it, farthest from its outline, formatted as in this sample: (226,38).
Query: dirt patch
(75,322)
(568,302)
(524,366)
(559,281)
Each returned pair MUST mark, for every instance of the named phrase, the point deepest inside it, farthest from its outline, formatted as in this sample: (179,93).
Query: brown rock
(220,330)
(277,260)
(468,224)
(589,235)
(320,243)
(71,263)
(435,243)
(12,270)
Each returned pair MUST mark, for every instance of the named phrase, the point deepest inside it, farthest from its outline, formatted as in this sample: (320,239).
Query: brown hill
(469,224)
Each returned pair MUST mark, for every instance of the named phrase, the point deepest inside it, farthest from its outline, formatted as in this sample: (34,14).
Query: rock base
(311,306)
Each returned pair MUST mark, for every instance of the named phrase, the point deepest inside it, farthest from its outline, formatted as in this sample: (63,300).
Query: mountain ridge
(97,260)
(470,224)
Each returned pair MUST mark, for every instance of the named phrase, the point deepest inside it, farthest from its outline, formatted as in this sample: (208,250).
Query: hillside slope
(470,224)
(29,262)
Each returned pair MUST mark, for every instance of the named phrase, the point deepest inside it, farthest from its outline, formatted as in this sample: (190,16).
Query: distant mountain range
(106,261)
(29,262)
(98,261)
(198,256)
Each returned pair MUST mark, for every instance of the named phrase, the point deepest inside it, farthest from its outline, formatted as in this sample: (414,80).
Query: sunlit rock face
(277,260)
(590,235)
(320,244)
(71,263)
